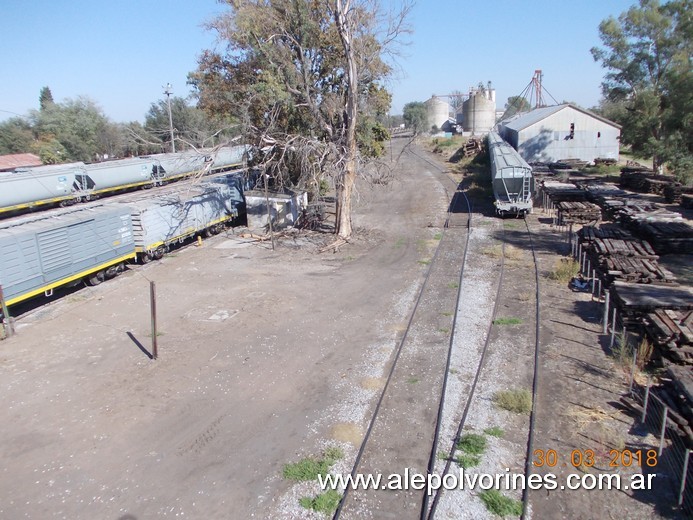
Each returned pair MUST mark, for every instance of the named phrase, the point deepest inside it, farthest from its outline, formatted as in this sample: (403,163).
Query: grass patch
(467,460)
(326,502)
(564,270)
(438,236)
(518,400)
(507,321)
(310,467)
(400,242)
(424,262)
(413,380)
(446,314)
(444,330)
(494,431)
(472,444)
(498,504)
(453,285)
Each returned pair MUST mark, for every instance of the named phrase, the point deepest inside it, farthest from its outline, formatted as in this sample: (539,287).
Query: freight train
(93,241)
(511,178)
(28,189)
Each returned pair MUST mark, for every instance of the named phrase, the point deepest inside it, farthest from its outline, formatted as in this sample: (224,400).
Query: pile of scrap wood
(616,255)
(472,147)
(676,390)
(644,181)
(570,212)
(667,237)
(558,191)
(687,201)
(672,332)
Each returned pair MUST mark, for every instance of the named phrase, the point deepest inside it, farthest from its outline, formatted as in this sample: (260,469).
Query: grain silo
(479,111)
(438,112)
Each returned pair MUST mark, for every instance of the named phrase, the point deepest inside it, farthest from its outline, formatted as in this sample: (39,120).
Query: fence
(674,462)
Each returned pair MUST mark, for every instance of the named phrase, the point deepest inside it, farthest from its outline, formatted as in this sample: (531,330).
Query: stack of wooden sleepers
(578,212)
(617,255)
(668,237)
(644,181)
(562,191)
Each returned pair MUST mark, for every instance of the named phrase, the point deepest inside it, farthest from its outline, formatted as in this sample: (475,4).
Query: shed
(560,132)
(284,208)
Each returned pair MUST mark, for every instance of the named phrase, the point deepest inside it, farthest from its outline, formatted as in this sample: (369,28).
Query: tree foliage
(45,98)
(416,116)
(192,127)
(648,87)
(516,105)
(304,79)
(16,136)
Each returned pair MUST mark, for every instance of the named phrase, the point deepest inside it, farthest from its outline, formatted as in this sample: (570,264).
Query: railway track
(508,288)
(414,384)
(416,388)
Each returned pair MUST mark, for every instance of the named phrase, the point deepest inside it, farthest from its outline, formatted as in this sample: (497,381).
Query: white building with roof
(566,131)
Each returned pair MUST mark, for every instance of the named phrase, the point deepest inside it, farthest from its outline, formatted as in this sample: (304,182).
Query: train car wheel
(146,258)
(208,232)
(160,252)
(96,278)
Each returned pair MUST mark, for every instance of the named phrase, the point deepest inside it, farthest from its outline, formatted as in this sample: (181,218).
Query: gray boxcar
(40,253)
(176,213)
(229,157)
(30,187)
(177,165)
(121,174)
(511,177)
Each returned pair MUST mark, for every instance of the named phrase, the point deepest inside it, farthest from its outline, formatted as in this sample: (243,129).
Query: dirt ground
(265,357)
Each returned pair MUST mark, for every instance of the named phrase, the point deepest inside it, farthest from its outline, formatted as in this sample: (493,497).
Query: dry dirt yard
(265,357)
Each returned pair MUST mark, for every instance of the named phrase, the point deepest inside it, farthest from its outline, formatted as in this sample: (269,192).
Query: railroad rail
(419,431)
(401,386)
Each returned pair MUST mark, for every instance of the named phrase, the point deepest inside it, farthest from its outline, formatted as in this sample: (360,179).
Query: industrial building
(560,132)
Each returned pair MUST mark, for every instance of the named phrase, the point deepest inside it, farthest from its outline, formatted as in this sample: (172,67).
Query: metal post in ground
(613,330)
(645,402)
(633,369)
(5,315)
(605,326)
(663,431)
(152,306)
(684,474)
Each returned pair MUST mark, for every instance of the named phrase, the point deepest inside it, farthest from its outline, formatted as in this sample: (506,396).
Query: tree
(302,78)
(416,116)
(16,136)
(515,105)
(456,100)
(45,98)
(192,127)
(76,124)
(648,84)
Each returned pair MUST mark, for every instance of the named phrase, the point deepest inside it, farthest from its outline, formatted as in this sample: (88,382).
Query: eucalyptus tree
(648,87)
(305,81)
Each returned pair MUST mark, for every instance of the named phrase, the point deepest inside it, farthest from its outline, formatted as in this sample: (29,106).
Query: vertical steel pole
(633,369)
(5,315)
(664,430)
(613,330)
(152,306)
(684,474)
(269,214)
(645,402)
(605,327)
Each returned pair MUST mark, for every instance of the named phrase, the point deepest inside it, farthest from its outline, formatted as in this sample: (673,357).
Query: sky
(122,53)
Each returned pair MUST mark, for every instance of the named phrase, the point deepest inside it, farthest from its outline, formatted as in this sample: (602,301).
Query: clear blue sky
(120,53)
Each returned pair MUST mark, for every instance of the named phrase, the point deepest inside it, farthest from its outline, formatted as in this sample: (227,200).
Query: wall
(549,139)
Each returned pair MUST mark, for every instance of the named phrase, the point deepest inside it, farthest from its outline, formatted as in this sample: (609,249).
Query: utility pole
(168,90)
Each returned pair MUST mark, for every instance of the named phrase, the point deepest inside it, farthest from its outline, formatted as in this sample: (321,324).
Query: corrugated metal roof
(538,114)
(18,160)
